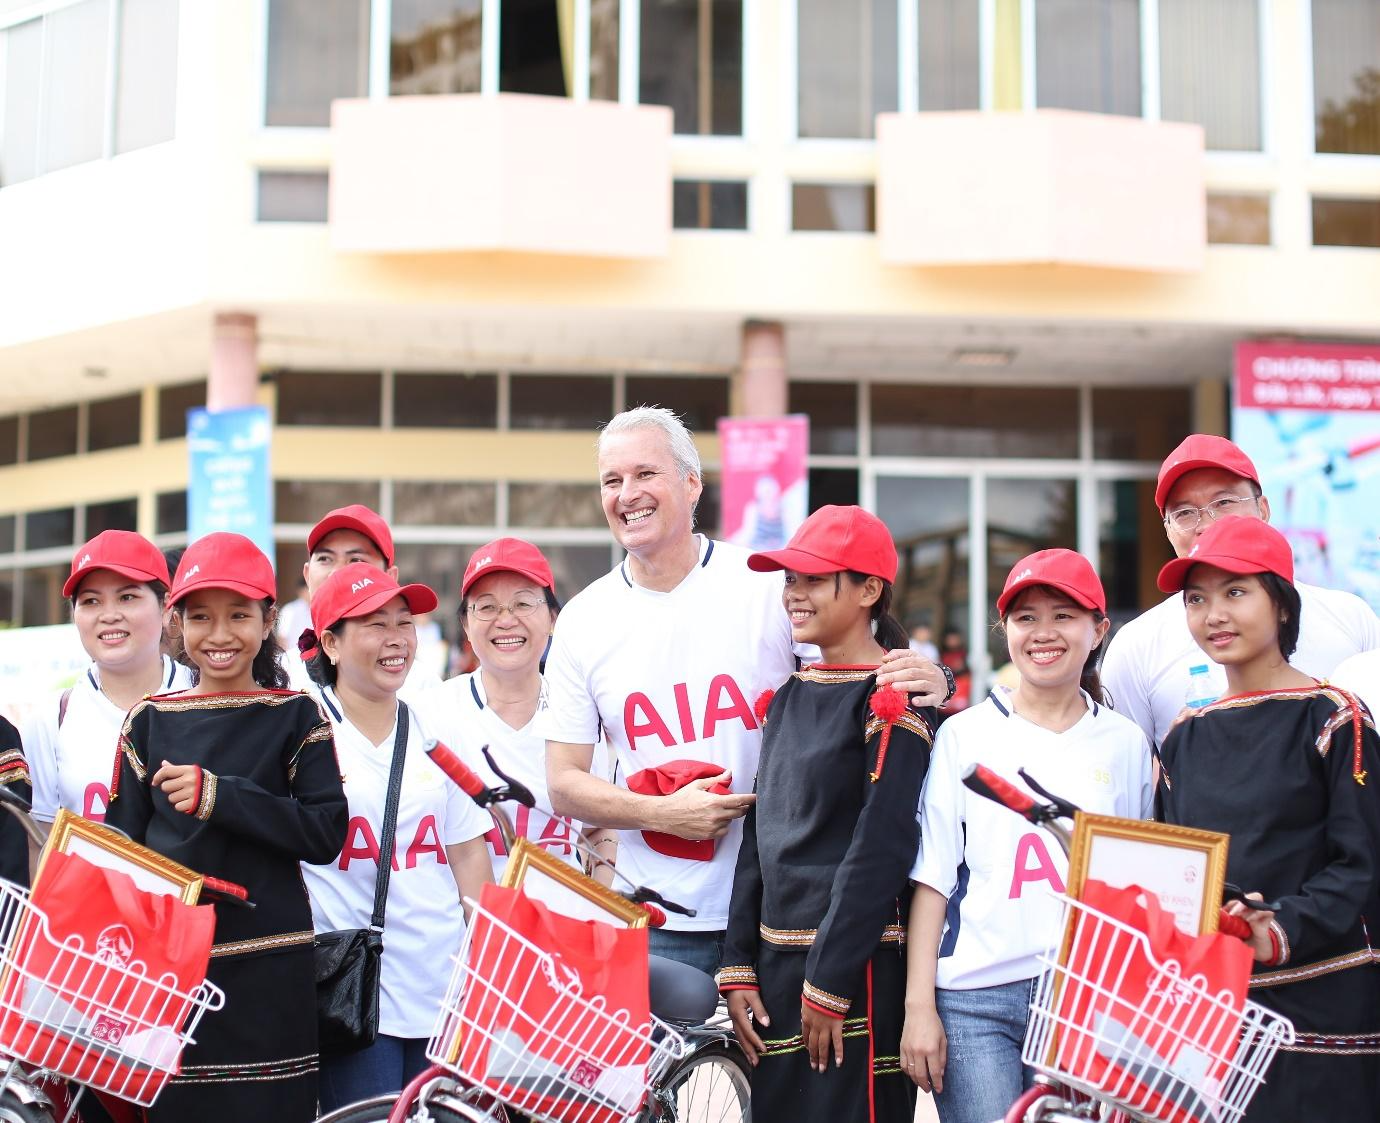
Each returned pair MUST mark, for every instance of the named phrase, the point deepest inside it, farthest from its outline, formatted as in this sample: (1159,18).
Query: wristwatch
(949,680)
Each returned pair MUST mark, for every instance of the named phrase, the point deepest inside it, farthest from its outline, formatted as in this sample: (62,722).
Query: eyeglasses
(490,610)
(1188,518)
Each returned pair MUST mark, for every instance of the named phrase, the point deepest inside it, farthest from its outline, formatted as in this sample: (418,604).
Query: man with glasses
(1150,659)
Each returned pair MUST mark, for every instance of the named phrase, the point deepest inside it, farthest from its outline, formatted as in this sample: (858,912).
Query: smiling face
(511,644)
(829,610)
(373,653)
(1223,493)
(1232,617)
(340,548)
(1049,636)
(120,621)
(649,506)
(222,631)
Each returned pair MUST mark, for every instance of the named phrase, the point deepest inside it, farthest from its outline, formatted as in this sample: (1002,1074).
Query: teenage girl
(1288,767)
(984,908)
(237,778)
(814,961)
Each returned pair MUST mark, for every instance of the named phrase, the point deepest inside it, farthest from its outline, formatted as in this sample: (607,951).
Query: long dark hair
(889,631)
(267,667)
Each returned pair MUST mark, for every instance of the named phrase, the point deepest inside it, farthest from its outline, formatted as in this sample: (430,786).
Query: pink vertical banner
(764,486)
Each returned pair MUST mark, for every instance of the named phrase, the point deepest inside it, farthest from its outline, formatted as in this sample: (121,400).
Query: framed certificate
(1185,868)
(101,846)
(564,889)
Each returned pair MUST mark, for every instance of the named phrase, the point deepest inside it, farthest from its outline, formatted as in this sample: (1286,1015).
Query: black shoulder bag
(348,961)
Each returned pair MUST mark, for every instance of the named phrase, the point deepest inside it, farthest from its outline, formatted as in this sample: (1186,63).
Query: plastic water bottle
(1200,689)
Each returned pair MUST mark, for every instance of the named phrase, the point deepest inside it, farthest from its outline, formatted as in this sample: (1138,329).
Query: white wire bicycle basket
(1116,1023)
(527,1034)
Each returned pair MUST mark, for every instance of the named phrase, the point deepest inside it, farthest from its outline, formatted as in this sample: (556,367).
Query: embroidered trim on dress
(909,720)
(826,1001)
(1353,1044)
(735,977)
(14,768)
(262,943)
(1363,958)
(780,1046)
(207,803)
(805,937)
(815,673)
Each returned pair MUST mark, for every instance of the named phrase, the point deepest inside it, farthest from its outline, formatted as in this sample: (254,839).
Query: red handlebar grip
(984,781)
(229,888)
(657,917)
(463,775)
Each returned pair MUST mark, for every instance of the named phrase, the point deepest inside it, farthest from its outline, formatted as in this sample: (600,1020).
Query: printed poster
(229,487)
(764,486)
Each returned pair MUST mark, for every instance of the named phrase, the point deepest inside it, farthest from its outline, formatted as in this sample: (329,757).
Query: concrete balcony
(1044,187)
(506,172)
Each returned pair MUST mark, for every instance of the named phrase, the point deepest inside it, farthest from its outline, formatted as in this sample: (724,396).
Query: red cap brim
(1078,595)
(419,598)
(797,560)
(254,592)
(539,579)
(1174,576)
(73,583)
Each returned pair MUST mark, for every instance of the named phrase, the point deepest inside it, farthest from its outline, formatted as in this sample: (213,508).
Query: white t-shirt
(1148,661)
(423,922)
(1361,675)
(998,871)
(72,766)
(673,676)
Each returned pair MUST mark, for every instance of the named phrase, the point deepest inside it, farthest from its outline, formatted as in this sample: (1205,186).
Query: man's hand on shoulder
(924,681)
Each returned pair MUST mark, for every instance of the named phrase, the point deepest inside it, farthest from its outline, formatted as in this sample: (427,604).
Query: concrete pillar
(233,380)
(761,389)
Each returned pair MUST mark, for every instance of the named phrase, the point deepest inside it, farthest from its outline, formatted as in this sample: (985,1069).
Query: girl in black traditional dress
(1290,767)
(237,778)
(815,955)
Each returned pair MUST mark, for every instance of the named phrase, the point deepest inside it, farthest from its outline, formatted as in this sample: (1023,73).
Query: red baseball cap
(225,561)
(120,551)
(1236,545)
(1066,570)
(355,517)
(510,555)
(1202,450)
(833,539)
(358,589)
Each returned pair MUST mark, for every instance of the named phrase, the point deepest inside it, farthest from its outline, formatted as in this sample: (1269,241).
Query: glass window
(1140,423)
(699,401)
(700,204)
(293,196)
(1346,76)
(21,55)
(147,105)
(449,503)
(1240,220)
(53,432)
(833,485)
(1346,222)
(928,518)
(46,530)
(1210,69)
(559,401)
(846,65)
(9,440)
(113,423)
(73,91)
(833,411)
(691,58)
(1132,547)
(318,397)
(119,514)
(307,501)
(8,527)
(949,55)
(1087,55)
(445,401)
(434,47)
(574,567)
(848,207)
(318,50)
(8,618)
(603,50)
(909,420)
(554,505)
(531,54)
(43,600)
(173,404)
(170,515)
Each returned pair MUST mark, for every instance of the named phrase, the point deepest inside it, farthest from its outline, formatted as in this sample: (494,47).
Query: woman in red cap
(814,963)
(508,606)
(983,911)
(1289,767)
(364,619)
(237,778)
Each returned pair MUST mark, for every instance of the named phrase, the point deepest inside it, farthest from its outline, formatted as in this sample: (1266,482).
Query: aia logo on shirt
(1033,865)
(362,844)
(722,702)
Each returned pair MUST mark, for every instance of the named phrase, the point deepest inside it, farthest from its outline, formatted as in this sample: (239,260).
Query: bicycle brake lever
(644,896)
(1062,806)
(515,789)
(1232,892)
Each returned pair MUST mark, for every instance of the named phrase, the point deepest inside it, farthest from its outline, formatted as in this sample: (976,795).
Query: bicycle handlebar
(981,779)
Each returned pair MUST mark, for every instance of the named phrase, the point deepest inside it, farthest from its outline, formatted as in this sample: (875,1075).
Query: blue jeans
(985,1028)
(704,950)
(385,1066)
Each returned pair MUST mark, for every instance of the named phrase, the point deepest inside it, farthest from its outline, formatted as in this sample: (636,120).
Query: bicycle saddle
(680,993)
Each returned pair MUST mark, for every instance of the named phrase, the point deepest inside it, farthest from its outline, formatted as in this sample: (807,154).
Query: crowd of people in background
(753,733)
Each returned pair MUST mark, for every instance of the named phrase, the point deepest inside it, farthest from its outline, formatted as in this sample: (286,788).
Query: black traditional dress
(821,894)
(1285,774)
(270,798)
(14,774)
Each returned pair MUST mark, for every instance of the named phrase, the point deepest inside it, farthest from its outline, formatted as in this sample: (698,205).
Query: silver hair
(678,437)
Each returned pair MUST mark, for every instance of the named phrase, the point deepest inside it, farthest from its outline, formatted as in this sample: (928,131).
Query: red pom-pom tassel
(888,704)
(760,706)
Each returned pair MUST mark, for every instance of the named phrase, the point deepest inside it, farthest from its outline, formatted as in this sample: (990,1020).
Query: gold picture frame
(1184,867)
(565,890)
(109,849)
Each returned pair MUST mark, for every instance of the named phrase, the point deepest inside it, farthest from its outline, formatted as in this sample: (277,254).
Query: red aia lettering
(427,840)
(1042,869)
(724,701)
(95,802)
(362,844)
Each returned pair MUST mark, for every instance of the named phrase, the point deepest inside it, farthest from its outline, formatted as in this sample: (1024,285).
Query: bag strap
(390,820)
(62,705)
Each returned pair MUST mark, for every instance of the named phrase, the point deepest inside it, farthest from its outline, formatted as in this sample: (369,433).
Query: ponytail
(889,631)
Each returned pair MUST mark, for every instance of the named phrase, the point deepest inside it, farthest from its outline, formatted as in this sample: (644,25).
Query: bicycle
(1137,1083)
(695,1069)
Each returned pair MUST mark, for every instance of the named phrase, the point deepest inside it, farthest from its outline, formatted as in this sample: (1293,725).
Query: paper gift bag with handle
(563,1038)
(1133,1019)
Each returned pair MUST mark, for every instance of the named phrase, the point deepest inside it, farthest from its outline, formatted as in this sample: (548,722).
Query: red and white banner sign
(764,488)
(1316,376)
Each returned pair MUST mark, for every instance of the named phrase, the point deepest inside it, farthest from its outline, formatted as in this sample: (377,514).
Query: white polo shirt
(998,871)
(673,676)
(1361,675)
(1148,661)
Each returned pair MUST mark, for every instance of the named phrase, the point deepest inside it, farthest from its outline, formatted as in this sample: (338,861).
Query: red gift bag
(554,1018)
(1154,1022)
(101,991)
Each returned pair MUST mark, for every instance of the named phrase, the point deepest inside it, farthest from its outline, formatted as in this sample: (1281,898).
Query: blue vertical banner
(229,486)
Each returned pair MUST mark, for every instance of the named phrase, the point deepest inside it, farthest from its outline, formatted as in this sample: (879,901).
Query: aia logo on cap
(358,585)
(1022,575)
(1194,550)
(85,561)
(190,573)
(487,559)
